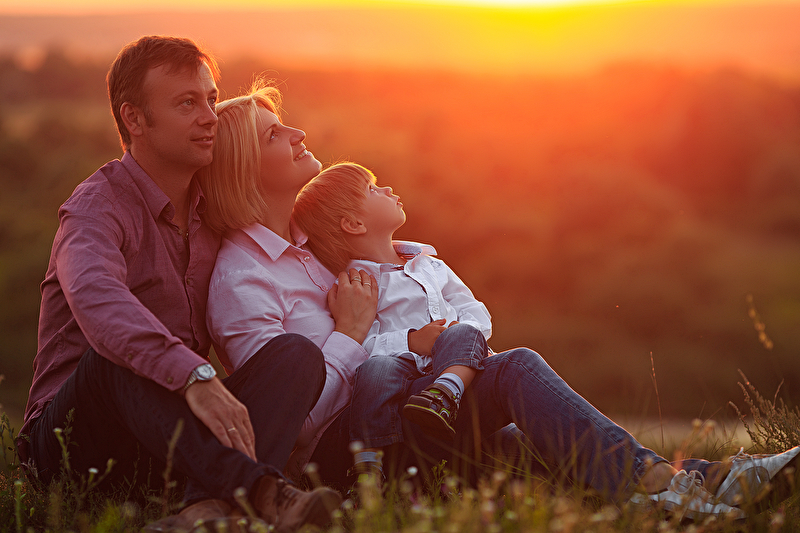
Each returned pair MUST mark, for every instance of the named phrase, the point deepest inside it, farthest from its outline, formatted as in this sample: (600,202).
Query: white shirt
(413,295)
(263,286)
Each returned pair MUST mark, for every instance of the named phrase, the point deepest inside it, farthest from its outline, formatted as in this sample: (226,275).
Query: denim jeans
(130,419)
(381,385)
(518,411)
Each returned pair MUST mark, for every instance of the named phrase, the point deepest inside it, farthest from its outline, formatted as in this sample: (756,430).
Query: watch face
(205,372)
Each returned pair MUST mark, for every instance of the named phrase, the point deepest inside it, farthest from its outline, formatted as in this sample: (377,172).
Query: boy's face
(382,210)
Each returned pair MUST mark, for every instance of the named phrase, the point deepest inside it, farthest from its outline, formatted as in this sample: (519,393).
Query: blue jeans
(130,419)
(517,410)
(381,385)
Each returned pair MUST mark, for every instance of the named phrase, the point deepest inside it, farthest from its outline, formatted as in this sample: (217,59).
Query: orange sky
(108,6)
(753,34)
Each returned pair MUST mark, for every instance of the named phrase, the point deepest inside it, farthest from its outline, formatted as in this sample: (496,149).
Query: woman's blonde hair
(232,182)
(337,192)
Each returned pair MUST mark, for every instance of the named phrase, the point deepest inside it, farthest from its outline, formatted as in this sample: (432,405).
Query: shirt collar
(270,242)
(155,199)
(153,196)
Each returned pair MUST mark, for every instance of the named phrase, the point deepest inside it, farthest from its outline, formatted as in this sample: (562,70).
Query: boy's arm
(469,310)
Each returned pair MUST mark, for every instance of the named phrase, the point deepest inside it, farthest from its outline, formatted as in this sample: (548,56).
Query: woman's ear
(352,226)
(133,118)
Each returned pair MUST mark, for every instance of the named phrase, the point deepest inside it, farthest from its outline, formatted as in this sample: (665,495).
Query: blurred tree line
(602,218)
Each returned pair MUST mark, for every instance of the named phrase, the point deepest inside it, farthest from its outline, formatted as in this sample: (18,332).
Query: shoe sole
(323,505)
(431,423)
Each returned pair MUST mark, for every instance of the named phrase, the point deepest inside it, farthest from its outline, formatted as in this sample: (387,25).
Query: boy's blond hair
(337,192)
(232,182)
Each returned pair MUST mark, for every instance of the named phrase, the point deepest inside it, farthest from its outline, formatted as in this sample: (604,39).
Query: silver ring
(368,284)
(355,278)
(230,429)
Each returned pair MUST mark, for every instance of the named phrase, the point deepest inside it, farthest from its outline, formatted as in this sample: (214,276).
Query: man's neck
(174,182)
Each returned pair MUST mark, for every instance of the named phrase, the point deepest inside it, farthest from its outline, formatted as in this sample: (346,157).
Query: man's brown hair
(126,76)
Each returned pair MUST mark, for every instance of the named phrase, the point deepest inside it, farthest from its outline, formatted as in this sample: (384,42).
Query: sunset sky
(106,6)
(519,36)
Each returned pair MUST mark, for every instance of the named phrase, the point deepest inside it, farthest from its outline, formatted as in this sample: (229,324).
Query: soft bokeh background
(619,182)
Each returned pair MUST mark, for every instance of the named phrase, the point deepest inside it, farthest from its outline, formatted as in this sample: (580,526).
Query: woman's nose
(297,135)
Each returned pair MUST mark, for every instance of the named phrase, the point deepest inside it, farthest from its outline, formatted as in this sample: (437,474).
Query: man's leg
(113,410)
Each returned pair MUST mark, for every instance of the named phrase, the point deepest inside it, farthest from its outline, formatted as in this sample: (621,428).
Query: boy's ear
(353,226)
(133,118)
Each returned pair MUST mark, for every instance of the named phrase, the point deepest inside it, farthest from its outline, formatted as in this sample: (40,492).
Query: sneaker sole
(783,485)
(431,423)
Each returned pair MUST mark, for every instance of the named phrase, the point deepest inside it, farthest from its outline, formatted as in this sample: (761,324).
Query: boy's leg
(379,390)
(457,357)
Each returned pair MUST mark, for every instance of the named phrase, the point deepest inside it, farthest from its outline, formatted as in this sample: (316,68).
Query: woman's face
(286,165)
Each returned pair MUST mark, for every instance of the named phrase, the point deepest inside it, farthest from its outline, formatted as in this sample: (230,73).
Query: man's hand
(353,303)
(422,340)
(223,414)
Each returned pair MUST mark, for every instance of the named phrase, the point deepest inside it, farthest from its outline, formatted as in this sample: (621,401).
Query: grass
(501,503)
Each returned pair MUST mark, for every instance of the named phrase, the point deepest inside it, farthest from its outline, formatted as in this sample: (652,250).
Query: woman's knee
(292,350)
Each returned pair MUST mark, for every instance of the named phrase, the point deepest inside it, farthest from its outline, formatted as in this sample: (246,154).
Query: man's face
(178,135)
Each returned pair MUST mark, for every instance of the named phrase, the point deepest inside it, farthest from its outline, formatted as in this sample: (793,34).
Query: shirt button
(130,357)
(306,258)
(169,380)
(189,282)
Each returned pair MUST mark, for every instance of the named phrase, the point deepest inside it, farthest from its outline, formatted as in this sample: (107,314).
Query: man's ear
(353,226)
(133,118)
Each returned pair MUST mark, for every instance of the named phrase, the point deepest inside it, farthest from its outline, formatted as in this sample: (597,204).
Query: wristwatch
(204,372)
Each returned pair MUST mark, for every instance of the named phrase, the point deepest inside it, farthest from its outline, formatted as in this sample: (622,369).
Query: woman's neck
(278,218)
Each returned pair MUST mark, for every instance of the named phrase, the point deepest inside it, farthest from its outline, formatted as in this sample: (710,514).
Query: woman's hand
(354,303)
(421,341)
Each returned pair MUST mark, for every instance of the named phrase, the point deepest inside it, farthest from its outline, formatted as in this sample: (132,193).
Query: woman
(266,283)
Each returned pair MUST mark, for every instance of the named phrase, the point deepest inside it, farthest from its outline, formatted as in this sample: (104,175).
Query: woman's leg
(566,432)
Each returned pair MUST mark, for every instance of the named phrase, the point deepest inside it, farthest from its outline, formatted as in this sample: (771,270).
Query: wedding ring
(355,278)
(230,429)
(368,284)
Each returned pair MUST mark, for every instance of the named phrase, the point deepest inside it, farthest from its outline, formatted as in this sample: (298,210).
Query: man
(122,360)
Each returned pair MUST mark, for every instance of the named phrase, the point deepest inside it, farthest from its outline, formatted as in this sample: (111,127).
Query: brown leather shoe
(288,508)
(206,515)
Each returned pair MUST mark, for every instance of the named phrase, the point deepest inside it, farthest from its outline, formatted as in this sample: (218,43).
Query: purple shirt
(123,280)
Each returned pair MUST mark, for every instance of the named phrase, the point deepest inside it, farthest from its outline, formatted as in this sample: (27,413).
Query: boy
(427,318)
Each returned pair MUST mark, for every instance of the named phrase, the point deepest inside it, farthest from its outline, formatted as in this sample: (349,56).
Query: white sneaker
(687,497)
(760,478)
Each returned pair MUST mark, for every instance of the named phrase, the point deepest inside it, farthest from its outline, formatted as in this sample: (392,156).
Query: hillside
(602,217)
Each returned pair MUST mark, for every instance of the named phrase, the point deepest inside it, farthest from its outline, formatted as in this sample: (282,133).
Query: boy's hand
(421,341)
(353,303)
